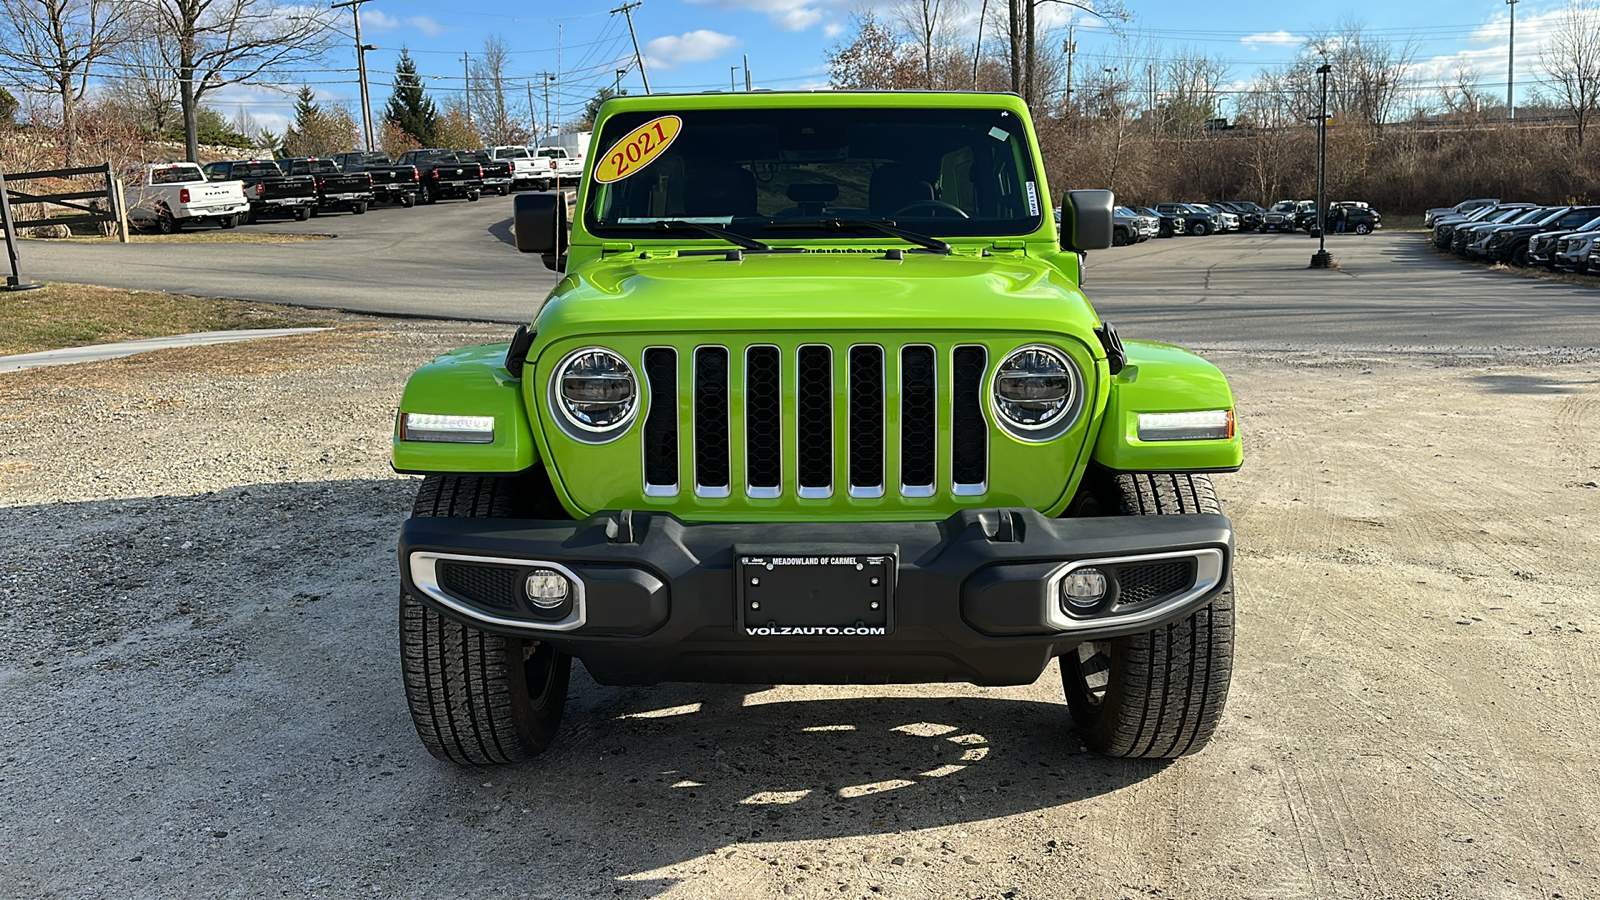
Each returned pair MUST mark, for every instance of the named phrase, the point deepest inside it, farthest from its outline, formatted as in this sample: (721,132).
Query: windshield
(754,171)
(176,174)
(1283,206)
(511,153)
(256,170)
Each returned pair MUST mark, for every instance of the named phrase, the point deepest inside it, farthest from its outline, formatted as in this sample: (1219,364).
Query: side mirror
(1086,220)
(540,223)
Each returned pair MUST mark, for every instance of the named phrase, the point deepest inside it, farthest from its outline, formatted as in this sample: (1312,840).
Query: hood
(821,290)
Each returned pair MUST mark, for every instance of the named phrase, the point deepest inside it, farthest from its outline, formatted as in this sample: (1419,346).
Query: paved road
(455,260)
(451,260)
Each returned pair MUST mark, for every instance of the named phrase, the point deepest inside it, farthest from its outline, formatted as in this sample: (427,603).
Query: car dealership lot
(201,688)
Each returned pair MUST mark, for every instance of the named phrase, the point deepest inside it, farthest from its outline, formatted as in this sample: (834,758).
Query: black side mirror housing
(540,224)
(1086,220)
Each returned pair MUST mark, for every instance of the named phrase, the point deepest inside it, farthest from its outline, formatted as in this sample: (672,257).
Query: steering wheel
(934,207)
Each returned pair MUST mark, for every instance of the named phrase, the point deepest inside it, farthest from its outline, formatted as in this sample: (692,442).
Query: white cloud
(1488,60)
(789,15)
(833,29)
(378,20)
(694,46)
(1278,38)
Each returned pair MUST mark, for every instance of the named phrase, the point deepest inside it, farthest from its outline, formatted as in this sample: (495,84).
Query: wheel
(408,201)
(167,224)
(1200,229)
(229,221)
(477,698)
(251,217)
(1363,228)
(502,190)
(359,209)
(1519,257)
(1156,694)
(316,211)
(429,195)
(1119,238)
(302,213)
(472,196)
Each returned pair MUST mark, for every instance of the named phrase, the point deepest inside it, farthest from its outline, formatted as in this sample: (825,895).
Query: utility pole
(533,114)
(617,91)
(361,66)
(466,86)
(1322,259)
(1071,48)
(627,11)
(747,71)
(1511,63)
(1150,71)
(547,79)
(733,86)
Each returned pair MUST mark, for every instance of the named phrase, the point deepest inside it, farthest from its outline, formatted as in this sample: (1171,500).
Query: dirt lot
(200,690)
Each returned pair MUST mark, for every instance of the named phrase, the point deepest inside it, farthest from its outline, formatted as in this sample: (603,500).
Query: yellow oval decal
(638,149)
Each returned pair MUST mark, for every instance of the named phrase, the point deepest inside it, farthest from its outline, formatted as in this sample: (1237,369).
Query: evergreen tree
(306,110)
(410,108)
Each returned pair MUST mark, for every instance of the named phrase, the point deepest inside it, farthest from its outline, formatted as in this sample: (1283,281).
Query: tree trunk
(1029,83)
(191,124)
(69,120)
(1012,23)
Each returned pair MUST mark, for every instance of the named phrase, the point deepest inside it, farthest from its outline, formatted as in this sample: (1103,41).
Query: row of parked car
(1140,223)
(1563,237)
(227,193)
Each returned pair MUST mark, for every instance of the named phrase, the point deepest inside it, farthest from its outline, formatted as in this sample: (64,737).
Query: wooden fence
(113,212)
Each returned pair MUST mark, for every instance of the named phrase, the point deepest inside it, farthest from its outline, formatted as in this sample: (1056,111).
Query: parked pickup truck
(445,174)
(524,168)
(497,173)
(336,189)
(558,167)
(787,421)
(268,190)
(169,196)
(391,183)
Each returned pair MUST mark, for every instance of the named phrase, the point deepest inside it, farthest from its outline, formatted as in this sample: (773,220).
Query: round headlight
(596,391)
(1036,391)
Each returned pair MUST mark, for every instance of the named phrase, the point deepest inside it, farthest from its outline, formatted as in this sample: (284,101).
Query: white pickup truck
(556,166)
(172,195)
(524,168)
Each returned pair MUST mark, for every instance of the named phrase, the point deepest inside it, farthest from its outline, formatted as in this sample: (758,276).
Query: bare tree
(53,47)
(493,96)
(1571,63)
(930,26)
(871,58)
(1368,74)
(145,88)
(210,44)
(1463,98)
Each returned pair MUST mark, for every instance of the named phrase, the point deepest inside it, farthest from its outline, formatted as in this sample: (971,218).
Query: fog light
(447,429)
(547,588)
(1082,589)
(1208,425)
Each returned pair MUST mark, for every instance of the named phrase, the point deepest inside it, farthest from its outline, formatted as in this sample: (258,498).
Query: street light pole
(1511,62)
(361,67)
(1321,259)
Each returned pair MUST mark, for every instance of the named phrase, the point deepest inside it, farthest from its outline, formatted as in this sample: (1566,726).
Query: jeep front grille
(792,404)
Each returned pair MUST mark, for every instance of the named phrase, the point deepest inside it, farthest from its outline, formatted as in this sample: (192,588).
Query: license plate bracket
(816,591)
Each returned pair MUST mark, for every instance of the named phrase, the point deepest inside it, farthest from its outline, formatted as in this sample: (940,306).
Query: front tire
(477,698)
(1157,694)
(1199,229)
(1119,238)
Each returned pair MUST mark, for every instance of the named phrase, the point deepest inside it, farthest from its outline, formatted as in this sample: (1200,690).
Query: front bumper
(975,596)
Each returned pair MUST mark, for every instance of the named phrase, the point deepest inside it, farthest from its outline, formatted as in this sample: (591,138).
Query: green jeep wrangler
(818,399)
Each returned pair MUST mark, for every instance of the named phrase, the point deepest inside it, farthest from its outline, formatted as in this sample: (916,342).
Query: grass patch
(1402,223)
(75,315)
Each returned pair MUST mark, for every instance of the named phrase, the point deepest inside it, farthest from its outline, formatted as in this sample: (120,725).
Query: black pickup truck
(445,174)
(391,183)
(267,188)
(336,189)
(498,174)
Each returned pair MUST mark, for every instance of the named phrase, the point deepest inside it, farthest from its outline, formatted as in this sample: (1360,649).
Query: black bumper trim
(689,629)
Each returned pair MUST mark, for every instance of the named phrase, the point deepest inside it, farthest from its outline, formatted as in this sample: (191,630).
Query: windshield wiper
(886,226)
(714,231)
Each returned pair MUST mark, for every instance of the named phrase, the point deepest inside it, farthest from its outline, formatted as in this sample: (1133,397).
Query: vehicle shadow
(258,622)
(1530,385)
(502,232)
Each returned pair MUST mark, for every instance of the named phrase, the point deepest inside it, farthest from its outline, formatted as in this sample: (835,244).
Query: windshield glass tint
(175,175)
(943,171)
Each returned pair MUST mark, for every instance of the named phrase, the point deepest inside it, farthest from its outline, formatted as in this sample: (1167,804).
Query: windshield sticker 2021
(638,149)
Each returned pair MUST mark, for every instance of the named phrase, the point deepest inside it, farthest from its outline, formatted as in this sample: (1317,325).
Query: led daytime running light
(447,429)
(1206,425)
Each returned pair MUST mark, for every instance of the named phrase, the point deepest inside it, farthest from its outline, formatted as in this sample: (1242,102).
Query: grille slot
(969,448)
(1153,581)
(490,587)
(711,422)
(866,420)
(661,425)
(814,421)
(919,420)
(763,421)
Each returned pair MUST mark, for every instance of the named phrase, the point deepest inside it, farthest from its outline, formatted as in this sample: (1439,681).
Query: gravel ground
(200,690)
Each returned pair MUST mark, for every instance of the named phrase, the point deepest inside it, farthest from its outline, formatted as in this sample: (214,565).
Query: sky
(702,45)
